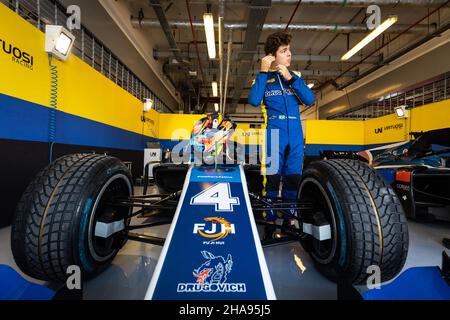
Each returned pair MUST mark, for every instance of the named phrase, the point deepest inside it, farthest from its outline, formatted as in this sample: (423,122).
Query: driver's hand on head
(283,70)
(266,62)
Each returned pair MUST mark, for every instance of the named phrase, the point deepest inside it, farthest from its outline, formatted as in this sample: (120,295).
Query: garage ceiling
(316,52)
(322,32)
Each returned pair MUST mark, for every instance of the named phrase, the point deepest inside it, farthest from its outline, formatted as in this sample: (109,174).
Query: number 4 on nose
(219,195)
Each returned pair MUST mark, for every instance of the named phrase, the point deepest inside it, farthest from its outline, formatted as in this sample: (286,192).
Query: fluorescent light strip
(209,32)
(214,88)
(375,33)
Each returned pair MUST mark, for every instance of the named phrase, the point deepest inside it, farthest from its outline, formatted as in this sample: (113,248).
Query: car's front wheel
(67,217)
(367,223)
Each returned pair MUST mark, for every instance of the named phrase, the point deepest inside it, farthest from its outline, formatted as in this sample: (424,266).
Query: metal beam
(258,10)
(309,73)
(339,3)
(276,26)
(176,67)
(164,24)
(160,54)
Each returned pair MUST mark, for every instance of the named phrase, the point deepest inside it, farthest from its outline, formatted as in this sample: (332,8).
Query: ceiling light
(216,107)
(310,85)
(401,112)
(58,41)
(209,32)
(214,88)
(375,33)
(148,104)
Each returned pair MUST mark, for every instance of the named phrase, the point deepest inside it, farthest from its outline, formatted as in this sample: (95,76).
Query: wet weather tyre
(54,222)
(367,222)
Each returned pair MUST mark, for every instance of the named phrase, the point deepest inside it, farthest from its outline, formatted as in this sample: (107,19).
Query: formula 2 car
(78,210)
(418,170)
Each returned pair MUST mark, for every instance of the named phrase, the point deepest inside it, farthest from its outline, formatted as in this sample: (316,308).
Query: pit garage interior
(139,74)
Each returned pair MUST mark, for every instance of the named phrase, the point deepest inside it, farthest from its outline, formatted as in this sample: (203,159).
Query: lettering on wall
(374,18)
(397,126)
(74,20)
(17,54)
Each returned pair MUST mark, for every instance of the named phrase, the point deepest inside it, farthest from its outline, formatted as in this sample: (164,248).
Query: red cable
(195,40)
(293,14)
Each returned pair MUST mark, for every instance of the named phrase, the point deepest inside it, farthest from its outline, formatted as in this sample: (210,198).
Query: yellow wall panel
(17,79)
(151,124)
(87,93)
(82,91)
(176,126)
(385,129)
(245,135)
(334,132)
(179,126)
(432,116)
(389,129)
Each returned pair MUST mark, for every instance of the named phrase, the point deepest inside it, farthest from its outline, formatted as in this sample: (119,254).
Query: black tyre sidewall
(371,226)
(339,260)
(100,175)
(19,225)
(21,238)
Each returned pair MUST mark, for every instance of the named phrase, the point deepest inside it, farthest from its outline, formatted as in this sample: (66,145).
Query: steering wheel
(210,136)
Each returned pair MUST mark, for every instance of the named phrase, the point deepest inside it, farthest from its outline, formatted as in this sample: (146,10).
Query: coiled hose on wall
(53,104)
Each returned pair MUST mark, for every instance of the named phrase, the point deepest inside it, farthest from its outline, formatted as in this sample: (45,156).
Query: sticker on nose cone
(214,228)
(213,250)
(211,276)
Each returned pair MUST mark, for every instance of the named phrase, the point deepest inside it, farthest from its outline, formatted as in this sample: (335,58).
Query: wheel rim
(118,186)
(311,189)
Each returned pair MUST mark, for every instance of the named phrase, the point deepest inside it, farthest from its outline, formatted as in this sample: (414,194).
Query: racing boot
(287,227)
(289,193)
(269,231)
(270,192)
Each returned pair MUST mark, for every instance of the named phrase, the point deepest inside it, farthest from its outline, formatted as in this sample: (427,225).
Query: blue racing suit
(279,101)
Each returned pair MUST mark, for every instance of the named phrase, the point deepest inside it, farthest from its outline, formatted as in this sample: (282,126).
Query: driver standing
(279,91)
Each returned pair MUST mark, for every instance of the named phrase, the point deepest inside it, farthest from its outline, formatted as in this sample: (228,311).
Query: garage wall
(333,135)
(93,113)
(344,135)
(96,115)
(98,20)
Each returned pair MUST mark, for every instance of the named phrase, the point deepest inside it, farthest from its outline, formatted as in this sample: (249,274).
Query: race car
(78,211)
(418,171)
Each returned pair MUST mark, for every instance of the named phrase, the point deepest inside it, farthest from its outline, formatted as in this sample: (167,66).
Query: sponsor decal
(404,187)
(397,126)
(216,177)
(212,276)
(17,55)
(214,229)
(271,93)
(249,133)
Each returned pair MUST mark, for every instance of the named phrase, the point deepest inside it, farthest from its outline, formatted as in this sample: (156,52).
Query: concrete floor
(132,269)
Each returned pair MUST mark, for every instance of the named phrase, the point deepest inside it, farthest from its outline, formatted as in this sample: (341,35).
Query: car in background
(418,170)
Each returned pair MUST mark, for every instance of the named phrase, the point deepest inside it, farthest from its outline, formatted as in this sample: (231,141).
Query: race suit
(279,101)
